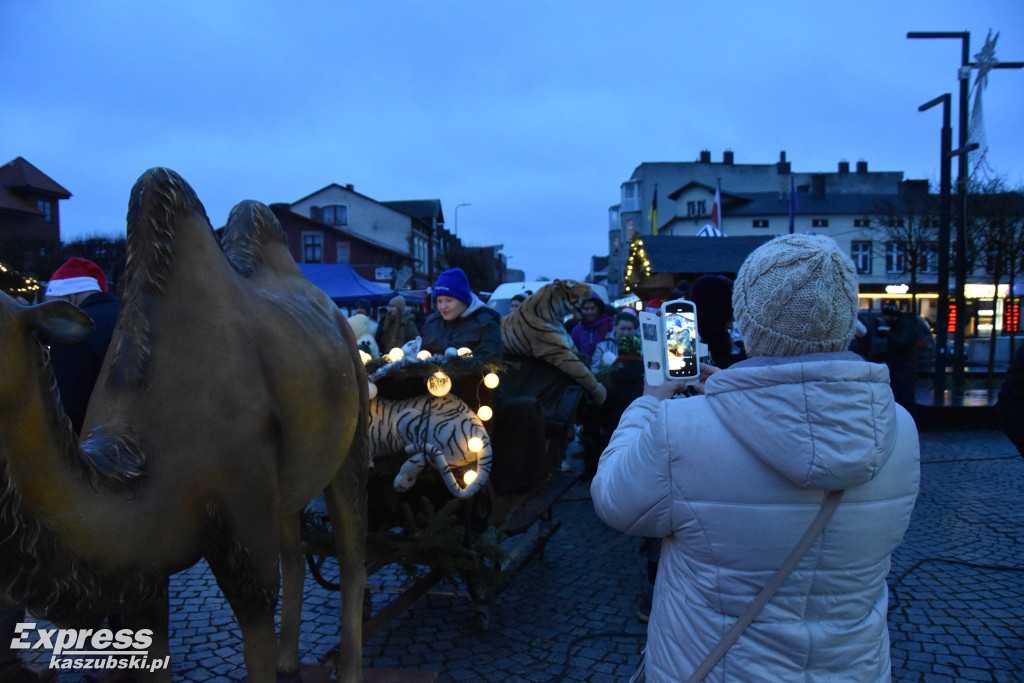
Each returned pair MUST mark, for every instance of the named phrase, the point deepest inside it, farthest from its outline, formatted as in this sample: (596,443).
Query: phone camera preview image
(681,342)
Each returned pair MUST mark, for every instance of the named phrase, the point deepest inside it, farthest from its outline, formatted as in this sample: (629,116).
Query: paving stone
(563,616)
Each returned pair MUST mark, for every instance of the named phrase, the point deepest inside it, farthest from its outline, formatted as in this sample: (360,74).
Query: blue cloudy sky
(531,112)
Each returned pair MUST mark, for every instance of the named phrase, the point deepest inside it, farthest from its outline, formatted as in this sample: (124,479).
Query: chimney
(350,186)
(844,166)
(818,185)
(705,156)
(862,166)
(783,165)
(727,157)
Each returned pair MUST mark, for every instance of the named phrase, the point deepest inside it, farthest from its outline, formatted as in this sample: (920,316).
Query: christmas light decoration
(439,384)
(491,380)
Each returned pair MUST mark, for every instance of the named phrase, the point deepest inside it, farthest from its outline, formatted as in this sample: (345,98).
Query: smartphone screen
(681,339)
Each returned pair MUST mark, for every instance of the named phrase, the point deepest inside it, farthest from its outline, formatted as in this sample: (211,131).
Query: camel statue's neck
(40,446)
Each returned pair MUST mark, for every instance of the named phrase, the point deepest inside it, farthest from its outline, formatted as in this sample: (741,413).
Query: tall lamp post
(964,75)
(457,216)
(945,213)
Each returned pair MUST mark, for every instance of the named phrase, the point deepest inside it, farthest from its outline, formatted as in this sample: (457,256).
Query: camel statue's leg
(155,617)
(347,508)
(293,574)
(247,573)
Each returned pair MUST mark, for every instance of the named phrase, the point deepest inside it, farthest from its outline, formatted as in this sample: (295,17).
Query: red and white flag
(714,227)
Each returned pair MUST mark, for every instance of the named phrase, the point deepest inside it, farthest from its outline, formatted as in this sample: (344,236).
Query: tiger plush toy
(434,430)
(536,330)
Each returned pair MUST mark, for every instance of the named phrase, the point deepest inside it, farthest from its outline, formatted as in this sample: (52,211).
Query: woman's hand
(670,389)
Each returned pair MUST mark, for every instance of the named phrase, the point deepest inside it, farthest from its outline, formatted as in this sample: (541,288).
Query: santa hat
(75,276)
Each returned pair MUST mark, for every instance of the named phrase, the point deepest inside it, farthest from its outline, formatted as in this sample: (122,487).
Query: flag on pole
(716,210)
(652,215)
(714,228)
(793,204)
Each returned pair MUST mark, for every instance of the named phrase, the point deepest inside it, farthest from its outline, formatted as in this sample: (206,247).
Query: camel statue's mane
(243,247)
(156,201)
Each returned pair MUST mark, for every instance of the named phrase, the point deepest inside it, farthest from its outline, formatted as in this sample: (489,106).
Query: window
(312,247)
(344,252)
(931,223)
(895,257)
(860,254)
(929,258)
(702,207)
(47,210)
(896,223)
(760,222)
(335,214)
(691,208)
(861,223)
(819,223)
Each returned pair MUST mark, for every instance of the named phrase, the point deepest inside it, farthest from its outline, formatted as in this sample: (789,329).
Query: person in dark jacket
(399,326)
(1010,405)
(76,366)
(901,333)
(461,319)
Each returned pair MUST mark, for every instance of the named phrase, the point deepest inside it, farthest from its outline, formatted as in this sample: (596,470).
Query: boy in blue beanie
(461,319)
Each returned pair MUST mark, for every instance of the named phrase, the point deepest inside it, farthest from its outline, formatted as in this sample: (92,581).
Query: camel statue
(231,395)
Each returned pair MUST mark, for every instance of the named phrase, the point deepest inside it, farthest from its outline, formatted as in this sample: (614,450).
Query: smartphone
(670,344)
(681,351)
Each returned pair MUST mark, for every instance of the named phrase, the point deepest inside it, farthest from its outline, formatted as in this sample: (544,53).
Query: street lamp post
(942,314)
(964,75)
(457,216)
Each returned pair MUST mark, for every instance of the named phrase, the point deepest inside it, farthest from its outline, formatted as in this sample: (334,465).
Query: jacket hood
(831,415)
(473,307)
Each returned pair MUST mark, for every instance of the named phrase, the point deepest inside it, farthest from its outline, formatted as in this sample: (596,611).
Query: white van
(503,294)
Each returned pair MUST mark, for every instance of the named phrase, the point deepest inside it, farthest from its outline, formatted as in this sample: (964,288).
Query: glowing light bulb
(490,380)
(485,413)
(373,390)
(469,477)
(439,384)
(396,354)
(365,357)
(475,444)
(423,355)
(465,351)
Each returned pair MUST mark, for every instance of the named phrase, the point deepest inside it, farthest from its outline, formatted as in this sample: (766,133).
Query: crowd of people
(719,478)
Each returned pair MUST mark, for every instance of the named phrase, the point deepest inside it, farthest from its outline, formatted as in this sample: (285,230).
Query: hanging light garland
(637,259)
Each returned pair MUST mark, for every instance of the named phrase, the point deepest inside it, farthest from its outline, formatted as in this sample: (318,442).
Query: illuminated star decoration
(985,61)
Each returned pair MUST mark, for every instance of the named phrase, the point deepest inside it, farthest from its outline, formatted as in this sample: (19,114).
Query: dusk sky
(531,112)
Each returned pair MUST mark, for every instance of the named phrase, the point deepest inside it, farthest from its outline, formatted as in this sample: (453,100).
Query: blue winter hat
(455,284)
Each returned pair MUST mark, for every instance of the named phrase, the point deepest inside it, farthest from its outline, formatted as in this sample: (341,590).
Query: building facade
(29,218)
(888,225)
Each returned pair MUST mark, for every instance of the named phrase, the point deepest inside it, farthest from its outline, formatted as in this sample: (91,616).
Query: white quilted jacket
(732,479)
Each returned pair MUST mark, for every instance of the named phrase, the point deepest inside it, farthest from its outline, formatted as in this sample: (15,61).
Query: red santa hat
(75,276)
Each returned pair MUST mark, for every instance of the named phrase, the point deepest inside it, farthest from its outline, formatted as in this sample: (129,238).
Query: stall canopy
(344,285)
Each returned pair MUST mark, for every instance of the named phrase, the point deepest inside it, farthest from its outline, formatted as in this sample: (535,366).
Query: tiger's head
(557,299)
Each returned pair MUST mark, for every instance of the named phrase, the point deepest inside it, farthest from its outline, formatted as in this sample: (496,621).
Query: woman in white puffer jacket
(732,479)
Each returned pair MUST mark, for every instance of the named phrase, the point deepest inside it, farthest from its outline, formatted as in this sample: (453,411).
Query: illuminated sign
(897,289)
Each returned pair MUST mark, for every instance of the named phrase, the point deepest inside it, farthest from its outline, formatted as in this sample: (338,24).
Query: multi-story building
(394,243)
(29,218)
(864,211)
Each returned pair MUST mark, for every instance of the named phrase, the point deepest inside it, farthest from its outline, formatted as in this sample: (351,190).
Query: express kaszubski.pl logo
(73,648)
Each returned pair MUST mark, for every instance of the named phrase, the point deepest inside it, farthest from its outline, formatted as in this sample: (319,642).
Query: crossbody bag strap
(828,506)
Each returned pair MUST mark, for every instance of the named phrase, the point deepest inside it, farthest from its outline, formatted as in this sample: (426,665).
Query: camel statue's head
(21,326)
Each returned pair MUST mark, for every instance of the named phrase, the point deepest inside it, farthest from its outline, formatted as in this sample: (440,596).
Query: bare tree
(997,229)
(908,221)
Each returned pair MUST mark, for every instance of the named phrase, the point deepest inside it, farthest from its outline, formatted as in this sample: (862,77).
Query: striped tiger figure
(536,330)
(434,430)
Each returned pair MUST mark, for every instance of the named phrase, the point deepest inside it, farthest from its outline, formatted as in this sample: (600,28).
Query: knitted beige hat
(794,295)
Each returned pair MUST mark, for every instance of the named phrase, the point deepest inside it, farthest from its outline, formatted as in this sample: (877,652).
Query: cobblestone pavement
(956,611)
